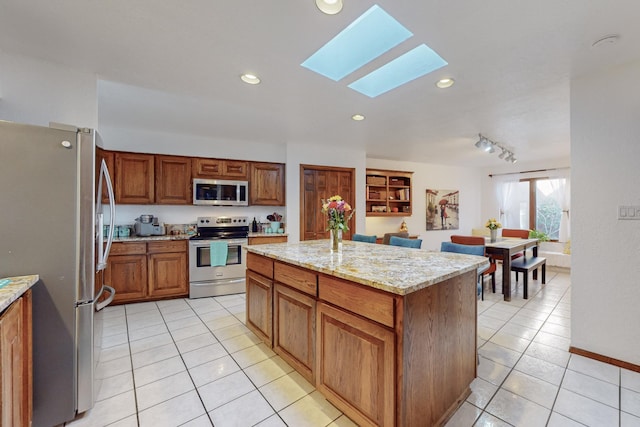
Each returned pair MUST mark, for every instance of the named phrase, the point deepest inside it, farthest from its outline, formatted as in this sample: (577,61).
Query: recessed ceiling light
(445,83)
(606,40)
(357,117)
(330,7)
(250,78)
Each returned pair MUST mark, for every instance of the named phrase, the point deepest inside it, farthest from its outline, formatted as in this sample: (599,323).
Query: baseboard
(605,359)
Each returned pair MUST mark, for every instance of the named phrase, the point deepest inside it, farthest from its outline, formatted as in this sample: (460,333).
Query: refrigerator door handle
(103,304)
(103,254)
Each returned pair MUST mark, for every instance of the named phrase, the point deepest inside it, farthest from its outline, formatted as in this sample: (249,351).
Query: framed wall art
(442,209)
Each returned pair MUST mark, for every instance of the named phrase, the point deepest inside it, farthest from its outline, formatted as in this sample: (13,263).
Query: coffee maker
(148,225)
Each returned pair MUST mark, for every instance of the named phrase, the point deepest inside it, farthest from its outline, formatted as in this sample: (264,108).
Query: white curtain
(561,185)
(509,205)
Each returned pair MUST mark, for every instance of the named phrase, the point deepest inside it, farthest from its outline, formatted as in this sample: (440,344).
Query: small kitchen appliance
(207,280)
(148,225)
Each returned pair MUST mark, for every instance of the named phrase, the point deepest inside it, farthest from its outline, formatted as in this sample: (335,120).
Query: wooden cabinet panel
(127,274)
(267,184)
(260,264)
(173,180)
(260,240)
(367,302)
(220,169)
(293,328)
(168,274)
(163,246)
(362,386)
(128,248)
(134,178)
(259,306)
(109,159)
(298,278)
(15,405)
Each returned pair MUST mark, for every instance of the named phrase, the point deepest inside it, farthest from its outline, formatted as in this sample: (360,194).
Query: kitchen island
(386,334)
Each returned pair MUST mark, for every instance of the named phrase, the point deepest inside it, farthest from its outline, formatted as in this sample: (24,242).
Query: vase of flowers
(493,225)
(338,214)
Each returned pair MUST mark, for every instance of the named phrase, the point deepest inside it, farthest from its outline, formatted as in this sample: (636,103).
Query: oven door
(200,269)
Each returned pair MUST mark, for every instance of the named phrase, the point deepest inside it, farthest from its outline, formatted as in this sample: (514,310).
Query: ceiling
(174,66)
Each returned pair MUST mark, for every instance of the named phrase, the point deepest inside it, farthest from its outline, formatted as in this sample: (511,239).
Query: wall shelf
(388,193)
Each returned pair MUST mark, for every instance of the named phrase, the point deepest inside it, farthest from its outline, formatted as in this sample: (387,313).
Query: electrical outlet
(629,212)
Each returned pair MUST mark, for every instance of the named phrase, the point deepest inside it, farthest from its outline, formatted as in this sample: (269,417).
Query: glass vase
(494,235)
(335,240)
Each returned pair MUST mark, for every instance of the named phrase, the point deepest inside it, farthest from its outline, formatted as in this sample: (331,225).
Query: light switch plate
(629,212)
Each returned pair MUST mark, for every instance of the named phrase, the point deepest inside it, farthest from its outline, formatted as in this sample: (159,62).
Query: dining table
(505,248)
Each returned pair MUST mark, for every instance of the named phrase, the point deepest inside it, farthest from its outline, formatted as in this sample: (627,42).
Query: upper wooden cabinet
(134,178)
(266,184)
(388,193)
(220,169)
(173,180)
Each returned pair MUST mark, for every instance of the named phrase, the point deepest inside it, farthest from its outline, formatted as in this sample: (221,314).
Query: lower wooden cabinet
(355,365)
(259,305)
(141,271)
(293,329)
(16,363)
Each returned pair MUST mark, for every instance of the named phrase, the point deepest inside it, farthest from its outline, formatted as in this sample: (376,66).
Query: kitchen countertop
(267,234)
(393,269)
(14,290)
(183,237)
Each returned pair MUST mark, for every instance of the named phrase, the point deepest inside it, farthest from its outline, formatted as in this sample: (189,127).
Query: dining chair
(472,250)
(363,238)
(478,241)
(405,243)
(387,236)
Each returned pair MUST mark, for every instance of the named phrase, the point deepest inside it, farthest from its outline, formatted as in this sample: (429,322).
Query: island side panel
(437,358)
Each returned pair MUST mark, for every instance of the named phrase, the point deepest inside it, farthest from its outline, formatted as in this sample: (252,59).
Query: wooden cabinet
(167,268)
(388,193)
(260,240)
(260,297)
(109,159)
(145,271)
(126,271)
(220,169)
(173,180)
(267,184)
(135,177)
(16,364)
(355,365)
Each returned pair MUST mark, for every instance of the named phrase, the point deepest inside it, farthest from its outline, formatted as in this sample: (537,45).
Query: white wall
(38,92)
(466,180)
(605,140)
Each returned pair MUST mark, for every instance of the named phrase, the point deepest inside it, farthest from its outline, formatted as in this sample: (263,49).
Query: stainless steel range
(210,273)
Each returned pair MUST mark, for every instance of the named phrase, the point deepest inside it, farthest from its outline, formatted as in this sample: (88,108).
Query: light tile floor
(194,363)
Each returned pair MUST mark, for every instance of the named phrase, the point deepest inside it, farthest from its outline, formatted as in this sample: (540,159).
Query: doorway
(322,182)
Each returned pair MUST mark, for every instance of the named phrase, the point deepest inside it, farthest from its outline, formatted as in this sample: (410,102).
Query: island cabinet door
(355,365)
(293,329)
(259,306)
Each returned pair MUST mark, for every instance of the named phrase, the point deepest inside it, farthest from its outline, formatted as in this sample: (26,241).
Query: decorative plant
(276,217)
(540,235)
(338,213)
(493,224)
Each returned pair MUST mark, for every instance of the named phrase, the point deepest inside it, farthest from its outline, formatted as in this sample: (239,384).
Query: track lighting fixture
(489,146)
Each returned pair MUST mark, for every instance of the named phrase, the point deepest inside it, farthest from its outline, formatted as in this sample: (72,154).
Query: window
(537,204)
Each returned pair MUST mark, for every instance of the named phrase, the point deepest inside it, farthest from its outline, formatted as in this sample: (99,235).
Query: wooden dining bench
(524,265)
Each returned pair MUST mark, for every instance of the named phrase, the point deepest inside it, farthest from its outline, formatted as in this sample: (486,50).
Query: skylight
(413,64)
(366,38)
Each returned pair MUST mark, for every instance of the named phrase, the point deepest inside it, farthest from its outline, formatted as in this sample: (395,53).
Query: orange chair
(478,241)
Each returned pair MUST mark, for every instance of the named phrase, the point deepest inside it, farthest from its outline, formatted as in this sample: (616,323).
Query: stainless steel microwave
(220,192)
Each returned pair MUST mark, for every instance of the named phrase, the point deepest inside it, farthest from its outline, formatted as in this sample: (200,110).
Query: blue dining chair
(468,250)
(405,243)
(363,238)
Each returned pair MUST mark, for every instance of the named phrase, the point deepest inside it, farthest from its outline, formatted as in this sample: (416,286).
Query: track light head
(489,148)
(485,144)
(504,153)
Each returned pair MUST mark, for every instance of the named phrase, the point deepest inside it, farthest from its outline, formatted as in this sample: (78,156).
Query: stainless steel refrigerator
(51,225)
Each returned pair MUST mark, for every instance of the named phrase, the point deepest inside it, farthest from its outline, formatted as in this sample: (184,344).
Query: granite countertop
(15,288)
(251,234)
(390,268)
